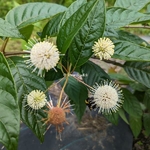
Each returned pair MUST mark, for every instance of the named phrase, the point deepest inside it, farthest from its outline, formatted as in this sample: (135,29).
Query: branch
(132,26)
(15,53)
(4,45)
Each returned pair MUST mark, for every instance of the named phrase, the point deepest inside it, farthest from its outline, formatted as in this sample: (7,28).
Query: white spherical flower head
(36,99)
(108,97)
(44,55)
(104,48)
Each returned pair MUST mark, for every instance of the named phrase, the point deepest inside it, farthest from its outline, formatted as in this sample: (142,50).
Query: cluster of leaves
(76,28)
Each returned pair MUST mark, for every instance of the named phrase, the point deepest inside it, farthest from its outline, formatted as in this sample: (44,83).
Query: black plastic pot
(93,133)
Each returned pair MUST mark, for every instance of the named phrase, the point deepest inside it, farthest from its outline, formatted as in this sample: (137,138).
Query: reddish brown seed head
(56,116)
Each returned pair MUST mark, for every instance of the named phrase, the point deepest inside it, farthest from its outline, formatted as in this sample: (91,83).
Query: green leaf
(27,31)
(131,105)
(123,35)
(26,82)
(127,50)
(10,115)
(146,100)
(120,77)
(146,122)
(80,49)
(138,87)
(77,93)
(52,27)
(71,10)
(113,118)
(139,71)
(30,13)
(8,30)
(135,125)
(93,73)
(143,19)
(117,17)
(73,25)
(122,115)
(131,4)
(52,75)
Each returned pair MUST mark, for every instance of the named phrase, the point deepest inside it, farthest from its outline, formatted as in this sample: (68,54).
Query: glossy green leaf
(77,93)
(73,25)
(122,115)
(71,10)
(131,4)
(52,27)
(10,115)
(127,50)
(139,71)
(26,82)
(135,125)
(80,49)
(8,30)
(146,122)
(93,73)
(117,17)
(52,75)
(30,13)
(146,100)
(113,118)
(131,105)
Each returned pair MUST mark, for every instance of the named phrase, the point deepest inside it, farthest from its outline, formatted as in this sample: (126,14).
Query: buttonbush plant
(74,30)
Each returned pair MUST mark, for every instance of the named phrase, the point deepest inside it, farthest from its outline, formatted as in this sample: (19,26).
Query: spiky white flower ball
(103,48)
(43,55)
(108,97)
(36,99)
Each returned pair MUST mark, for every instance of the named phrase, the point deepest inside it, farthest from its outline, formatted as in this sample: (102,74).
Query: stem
(60,97)
(82,82)
(67,76)
(4,45)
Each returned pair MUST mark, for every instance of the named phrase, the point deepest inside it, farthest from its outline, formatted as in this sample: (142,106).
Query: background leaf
(94,73)
(26,82)
(146,121)
(117,17)
(135,125)
(130,51)
(10,115)
(139,71)
(73,25)
(77,93)
(52,75)
(113,118)
(146,100)
(131,4)
(122,115)
(131,105)
(30,13)
(27,31)
(8,30)
(52,27)
(80,49)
